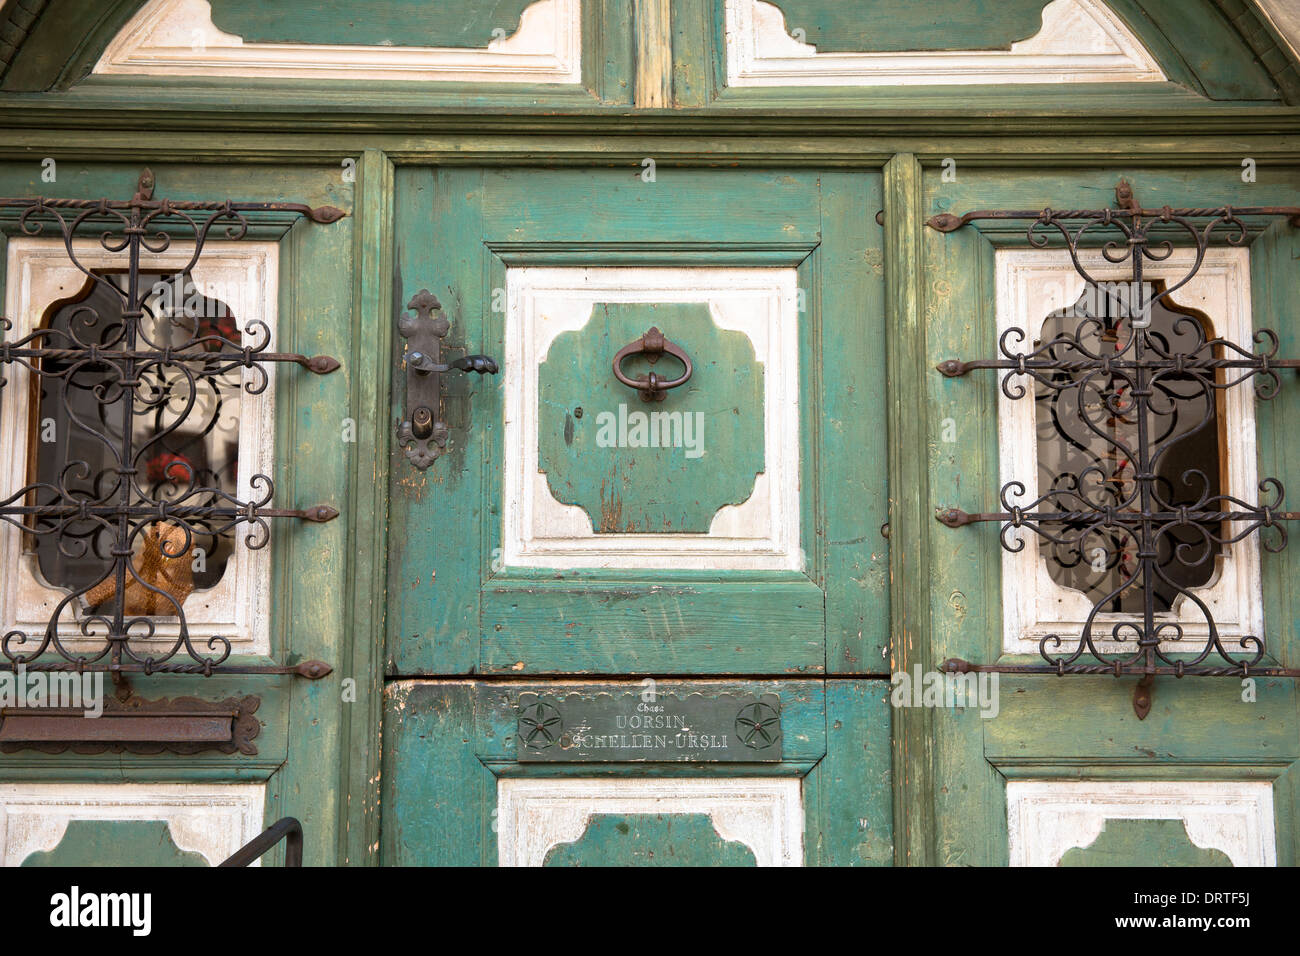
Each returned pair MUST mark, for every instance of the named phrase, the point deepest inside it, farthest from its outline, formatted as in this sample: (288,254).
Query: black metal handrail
(287,829)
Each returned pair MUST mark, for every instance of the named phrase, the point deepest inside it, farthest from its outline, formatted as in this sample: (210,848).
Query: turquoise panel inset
(650,467)
(116,843)
(1144,843)
(419,23)
(836,26)
(645,839)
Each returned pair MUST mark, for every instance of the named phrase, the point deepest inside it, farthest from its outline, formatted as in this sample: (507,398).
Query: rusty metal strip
(182,725)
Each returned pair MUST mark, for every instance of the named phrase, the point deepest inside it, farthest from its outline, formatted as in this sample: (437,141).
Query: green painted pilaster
(909,496)
(367,512)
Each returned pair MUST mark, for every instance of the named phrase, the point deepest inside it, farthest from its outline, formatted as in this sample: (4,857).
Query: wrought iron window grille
(109,513)
(1131,382)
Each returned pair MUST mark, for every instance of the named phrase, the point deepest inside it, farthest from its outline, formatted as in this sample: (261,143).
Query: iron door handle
(422,433)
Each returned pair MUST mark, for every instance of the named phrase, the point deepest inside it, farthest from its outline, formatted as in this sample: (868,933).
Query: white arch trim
(178,38)
(1081,41)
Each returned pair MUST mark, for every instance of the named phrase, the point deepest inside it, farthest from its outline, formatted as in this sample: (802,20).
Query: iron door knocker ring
(653,345)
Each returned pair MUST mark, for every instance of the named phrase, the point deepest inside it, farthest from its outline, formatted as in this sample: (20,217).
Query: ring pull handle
(653,345)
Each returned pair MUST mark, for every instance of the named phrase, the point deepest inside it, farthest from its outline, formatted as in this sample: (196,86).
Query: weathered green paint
(1215,50)
(1037,733)
(482,163)
(656,623)
(1035,726)
(300,719)
(314,564)
(1271,48)
(458,23)
(1144,843)
(1209,45)
(1275,284)
(898,25)
(909,555)
(644,839)
(447,742)
(699,71)
(116,843)
(650,467)
(848,810)
(465,611)
(432,781)
(367,507)
(39,52)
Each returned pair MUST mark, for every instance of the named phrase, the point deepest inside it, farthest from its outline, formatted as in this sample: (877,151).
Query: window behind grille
(1081,468)
(186,454)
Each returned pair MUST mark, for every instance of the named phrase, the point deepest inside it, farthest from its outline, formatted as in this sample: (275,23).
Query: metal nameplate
(659,727)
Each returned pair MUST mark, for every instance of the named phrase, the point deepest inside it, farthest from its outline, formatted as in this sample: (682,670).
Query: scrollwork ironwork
(1114,367)
(145,378)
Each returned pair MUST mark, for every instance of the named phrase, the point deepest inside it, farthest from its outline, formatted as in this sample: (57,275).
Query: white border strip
(1046,818)
(536,814)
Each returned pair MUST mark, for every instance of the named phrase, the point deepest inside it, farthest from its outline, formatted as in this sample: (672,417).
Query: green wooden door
(1064,770)
(725,539)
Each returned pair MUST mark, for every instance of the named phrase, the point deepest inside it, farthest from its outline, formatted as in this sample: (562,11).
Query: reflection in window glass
(1087,428)
(185,444)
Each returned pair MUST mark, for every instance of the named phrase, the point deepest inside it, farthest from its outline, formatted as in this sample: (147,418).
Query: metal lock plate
(422,431)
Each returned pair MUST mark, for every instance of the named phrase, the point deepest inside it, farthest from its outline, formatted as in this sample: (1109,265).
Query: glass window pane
(1088,437)
(185,444)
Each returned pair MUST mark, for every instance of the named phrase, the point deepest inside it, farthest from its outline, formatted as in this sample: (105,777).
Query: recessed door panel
(673,469)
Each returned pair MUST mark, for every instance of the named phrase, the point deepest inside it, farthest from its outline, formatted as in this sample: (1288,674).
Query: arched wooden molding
(537,814)
(1081,41)
(212,820)
(1047,818)
(178,38)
